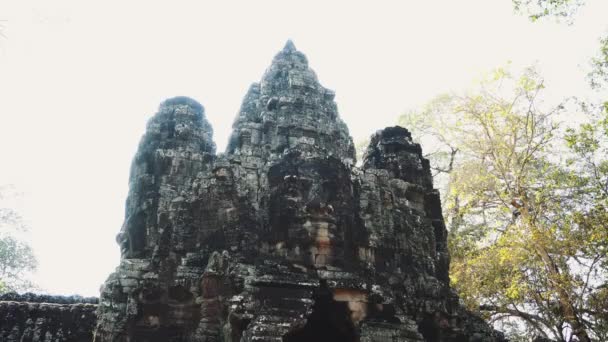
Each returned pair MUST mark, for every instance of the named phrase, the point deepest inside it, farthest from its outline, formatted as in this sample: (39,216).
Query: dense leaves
(536,9)
(16,256)
(599,73)
(526,205)
(565,9)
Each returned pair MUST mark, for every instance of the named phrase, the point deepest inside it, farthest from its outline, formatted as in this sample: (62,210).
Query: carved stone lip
(292,199)
(321,218)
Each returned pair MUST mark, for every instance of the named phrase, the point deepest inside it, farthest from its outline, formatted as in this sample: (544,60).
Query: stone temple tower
(281,238)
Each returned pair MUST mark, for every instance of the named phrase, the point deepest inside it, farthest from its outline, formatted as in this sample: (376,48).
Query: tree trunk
(568,310)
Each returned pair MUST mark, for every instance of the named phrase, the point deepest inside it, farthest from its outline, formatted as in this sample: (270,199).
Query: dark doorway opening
(329,322)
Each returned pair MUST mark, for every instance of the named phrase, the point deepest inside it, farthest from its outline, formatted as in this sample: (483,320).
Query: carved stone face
(309,210)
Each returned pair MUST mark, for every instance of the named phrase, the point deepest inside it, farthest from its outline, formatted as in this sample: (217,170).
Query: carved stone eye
(290,178)
(272,104)
(222,174)
(314,206)
(179,293)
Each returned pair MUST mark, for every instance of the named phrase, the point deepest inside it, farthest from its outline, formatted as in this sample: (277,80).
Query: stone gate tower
(281,238)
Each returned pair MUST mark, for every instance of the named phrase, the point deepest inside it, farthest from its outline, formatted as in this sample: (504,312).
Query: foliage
(360,148)
(565,9)
(599,73)
(528,228)
(589,143)
(16,256)
(537,9)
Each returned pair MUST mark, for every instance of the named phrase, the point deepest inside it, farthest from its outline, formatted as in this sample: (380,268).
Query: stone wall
(33,318)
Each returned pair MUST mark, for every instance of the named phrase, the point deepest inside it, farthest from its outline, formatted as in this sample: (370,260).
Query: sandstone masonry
(282,237)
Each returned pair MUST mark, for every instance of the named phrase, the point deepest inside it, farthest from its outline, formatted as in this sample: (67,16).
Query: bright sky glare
(79,79)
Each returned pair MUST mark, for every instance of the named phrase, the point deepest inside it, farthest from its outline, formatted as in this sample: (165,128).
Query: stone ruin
(282,237)
(32,318)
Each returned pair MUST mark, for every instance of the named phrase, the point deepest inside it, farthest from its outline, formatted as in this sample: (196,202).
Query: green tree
(527,227)
(599,73)
(589,144)
(565,9)
(16,256)
(537,9)
(360,148)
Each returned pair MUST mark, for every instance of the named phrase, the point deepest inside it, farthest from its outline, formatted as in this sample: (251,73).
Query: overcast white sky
(79,79)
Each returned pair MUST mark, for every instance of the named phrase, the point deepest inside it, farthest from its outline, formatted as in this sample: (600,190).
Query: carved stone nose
(316,206)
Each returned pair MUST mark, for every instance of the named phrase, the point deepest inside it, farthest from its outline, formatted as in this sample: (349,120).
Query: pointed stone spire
(178,142)
(288,109)
(393,149)
(289,46)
